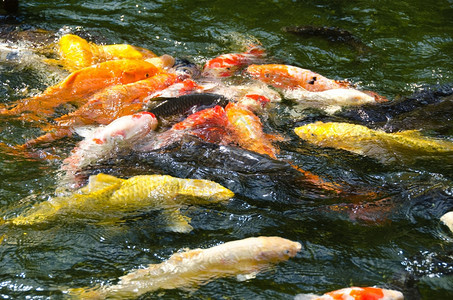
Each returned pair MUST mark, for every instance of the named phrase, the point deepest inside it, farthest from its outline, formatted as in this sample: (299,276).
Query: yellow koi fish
(77,53)
(107,198)
(387,147)
(200,266)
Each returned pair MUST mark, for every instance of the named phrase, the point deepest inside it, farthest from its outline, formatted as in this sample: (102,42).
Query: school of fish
(123,98)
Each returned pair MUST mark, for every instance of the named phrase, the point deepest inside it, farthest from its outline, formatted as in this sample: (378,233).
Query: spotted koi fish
(355,293)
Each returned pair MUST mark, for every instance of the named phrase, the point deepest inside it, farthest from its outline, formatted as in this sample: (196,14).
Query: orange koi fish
(291,77)
(226,65)
(77,53)
(210,124)
(105,106)
(355,293)
(248,130)
(81,84)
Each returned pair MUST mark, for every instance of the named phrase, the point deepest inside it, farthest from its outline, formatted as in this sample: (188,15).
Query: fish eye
(147,75)
(267,75)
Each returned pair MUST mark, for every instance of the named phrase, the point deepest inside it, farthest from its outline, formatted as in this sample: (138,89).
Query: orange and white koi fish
(355,293)
(77,53)
(226,65)
(104,141)
(291,77)
(185,270)
(81,84)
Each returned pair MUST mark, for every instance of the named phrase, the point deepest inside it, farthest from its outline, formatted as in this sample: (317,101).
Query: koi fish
(226,65)
(171,106)
(118,135)
(332,100)
(248,130)
(386,147)
(108,199)
(241,258)
(332,34)
(210,124)
(355,293)
(291,77)
(77,53)
(81,84)
(447,219)
(106,106)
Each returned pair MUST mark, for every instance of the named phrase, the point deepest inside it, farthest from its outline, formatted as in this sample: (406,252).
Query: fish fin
(409,133)
(187,254)
(85,131)
(245,277)
(331,109)
(99,182)
(306,297)
(3,236)
(177,222)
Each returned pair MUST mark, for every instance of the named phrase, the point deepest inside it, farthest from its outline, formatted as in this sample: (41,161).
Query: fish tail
(49,137)
(21,151)
(85,293)
(378,98)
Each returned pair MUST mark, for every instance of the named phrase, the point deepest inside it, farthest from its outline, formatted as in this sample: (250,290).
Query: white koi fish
(103,141)
(196,267)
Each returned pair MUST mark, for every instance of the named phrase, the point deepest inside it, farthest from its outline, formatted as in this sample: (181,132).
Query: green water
(398,244)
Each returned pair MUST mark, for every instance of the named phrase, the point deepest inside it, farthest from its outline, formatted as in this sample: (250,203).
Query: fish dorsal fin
(409,133)
(101,181)
(178,257)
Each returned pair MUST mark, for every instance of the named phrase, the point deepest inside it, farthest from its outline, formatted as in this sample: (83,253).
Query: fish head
(224,65)
(186,69)
(162,62)
(276,249)
(318,131)
(255,102)
(204,191)
(136,70)
(127,128)
(268,73)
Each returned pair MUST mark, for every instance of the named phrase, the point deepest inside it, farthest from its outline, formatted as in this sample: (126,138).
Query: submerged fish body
(226,65)
(107,199)
(81,84)
(77,53)
(196,267)
(332,34)
(292,77)
(386,147)
(355,293)
(103,141)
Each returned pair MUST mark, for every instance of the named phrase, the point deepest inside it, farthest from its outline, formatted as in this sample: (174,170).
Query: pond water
(393,239)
